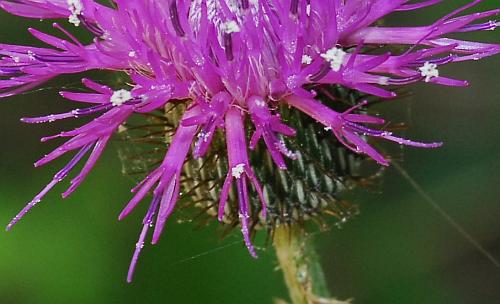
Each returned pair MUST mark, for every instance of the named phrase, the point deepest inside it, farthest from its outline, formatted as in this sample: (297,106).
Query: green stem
(302,271)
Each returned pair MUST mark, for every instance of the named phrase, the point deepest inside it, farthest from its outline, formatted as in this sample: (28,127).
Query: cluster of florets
(236,62)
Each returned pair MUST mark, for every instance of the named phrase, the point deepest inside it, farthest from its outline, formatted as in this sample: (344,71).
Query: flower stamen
(75,7)
(429,71)
(120,97)
(335,56)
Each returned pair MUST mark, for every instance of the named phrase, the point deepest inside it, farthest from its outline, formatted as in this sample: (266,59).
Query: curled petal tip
(384,162)
(249,245)
(122,215)
(263,214)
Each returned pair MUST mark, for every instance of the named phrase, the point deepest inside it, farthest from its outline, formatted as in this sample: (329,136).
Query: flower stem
(302,271)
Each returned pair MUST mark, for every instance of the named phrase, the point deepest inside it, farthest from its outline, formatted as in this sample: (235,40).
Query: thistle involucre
(235,63)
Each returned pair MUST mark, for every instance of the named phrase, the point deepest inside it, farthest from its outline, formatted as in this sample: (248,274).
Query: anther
(174,16)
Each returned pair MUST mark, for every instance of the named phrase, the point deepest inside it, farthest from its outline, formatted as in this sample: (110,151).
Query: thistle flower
(235,62)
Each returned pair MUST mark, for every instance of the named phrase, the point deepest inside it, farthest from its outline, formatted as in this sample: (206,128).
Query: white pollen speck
(328,128)
(106,36)
(31,55)
(429,71)
(308,10)
(204,136)
(383,80)
(16,59)
(335,56)
(119,97)
(261,103)
(493,25)
(131,54)
(75,7)
(238,170)
(306,59)
(122,128)
(73,19)
(230,27)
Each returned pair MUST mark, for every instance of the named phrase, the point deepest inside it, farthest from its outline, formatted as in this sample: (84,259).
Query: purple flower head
(235,63)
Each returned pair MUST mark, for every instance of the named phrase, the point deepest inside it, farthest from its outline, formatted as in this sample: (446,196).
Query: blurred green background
(398,250)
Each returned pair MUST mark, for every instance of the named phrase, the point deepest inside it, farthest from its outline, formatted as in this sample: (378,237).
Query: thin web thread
(204,253)
(428,199)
